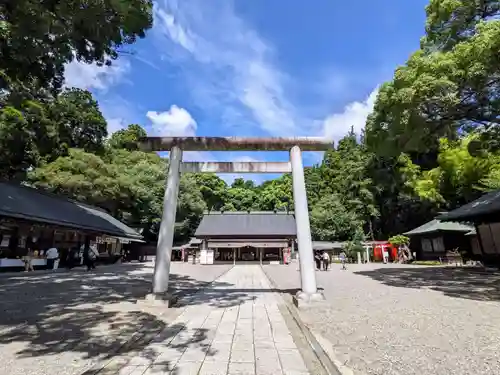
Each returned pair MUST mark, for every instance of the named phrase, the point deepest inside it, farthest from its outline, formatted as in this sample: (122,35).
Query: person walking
(326,260)
(52,256)
(343,257)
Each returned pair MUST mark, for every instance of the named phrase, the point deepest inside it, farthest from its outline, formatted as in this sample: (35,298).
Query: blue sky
(256,68)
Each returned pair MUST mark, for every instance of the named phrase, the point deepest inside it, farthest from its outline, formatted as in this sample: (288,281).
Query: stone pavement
(64,323)
(392,319)
(231,327)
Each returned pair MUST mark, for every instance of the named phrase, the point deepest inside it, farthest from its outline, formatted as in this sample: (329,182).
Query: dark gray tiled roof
(326,245)
(22,202)
(247,224)
(486,205)
(434,226)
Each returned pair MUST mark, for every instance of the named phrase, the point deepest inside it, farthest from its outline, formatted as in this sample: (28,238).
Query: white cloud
(174,122)
(233,64)
(354,115)
(115,124)
(90,76)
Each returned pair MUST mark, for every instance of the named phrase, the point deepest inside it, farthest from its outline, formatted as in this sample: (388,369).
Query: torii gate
(176,145)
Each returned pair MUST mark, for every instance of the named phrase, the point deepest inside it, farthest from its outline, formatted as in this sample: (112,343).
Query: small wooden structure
(333,248)
(438,240)
(33,218)
(484,213)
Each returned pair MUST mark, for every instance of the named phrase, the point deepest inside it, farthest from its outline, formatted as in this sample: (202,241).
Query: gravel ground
(64,323)
(406,320)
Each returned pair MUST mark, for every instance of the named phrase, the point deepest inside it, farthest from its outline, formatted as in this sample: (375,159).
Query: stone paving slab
(405,320)
(241,335)
(65,323)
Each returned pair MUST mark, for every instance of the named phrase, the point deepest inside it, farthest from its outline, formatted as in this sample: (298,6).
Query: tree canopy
(38,37)
(445,93)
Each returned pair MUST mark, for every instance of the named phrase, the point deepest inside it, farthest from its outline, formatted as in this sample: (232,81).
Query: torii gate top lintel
(235,143)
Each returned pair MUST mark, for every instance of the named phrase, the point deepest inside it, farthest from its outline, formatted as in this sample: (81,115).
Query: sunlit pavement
(63,323)
(405,320)
(232,327)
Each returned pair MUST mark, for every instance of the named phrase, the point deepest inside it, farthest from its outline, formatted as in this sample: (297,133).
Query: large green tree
(213,190)
(450,22)
(37,38)
(332,221)
(439,94)
(275,195)
(128,138)
(130,185)
(40,132)
(78,121)
(459,177)
(344,177)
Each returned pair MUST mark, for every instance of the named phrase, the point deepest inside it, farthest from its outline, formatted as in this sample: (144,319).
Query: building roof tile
(279,224)
(26,203)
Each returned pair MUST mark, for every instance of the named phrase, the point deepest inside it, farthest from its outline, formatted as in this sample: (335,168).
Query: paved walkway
(390,319)
(64,323)
(232,327)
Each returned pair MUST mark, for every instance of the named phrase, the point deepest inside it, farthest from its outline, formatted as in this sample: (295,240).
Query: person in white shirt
(326,260)
(52,256)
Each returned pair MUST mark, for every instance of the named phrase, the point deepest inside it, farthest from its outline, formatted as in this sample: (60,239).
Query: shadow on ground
(223,298)
(51,314)
(468,283)
(82,313)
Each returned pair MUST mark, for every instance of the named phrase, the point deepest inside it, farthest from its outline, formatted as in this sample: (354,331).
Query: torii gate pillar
(309,290)
(176,145)
(167,227)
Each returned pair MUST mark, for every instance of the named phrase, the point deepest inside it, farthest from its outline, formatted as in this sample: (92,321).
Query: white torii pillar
(161,273)
(309,292)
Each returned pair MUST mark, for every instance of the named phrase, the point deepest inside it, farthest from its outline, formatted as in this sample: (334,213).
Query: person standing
(90,255)
(52,256)
(317,259)
(71,260)
(28,259)
(342,257)
(326,260)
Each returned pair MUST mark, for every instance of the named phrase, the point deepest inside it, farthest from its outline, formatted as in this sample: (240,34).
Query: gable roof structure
(435,226)
(26,203)
(327,245)
(486,205)
(252,224)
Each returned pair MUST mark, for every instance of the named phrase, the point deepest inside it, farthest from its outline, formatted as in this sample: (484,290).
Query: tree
(450,22)
(41,132)
(344,175)
(276,195)
(17,148)
(458,177)
(190,207)
(212,188)
(240,199)
(402,242)
(38,37)
(332,221)
(79,121)
(129,185)
(439,95)
(127,139)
